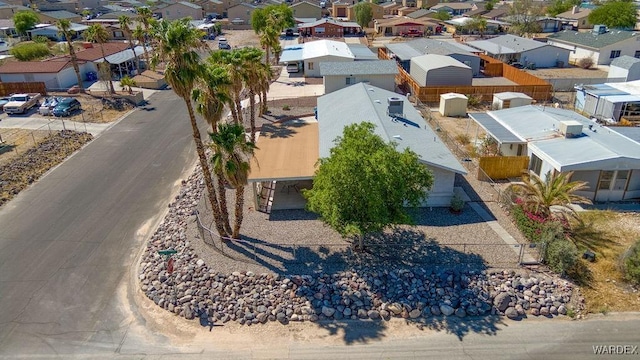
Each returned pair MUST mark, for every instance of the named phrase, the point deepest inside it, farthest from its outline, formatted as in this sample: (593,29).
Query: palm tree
(144,17)
(234,63)
(98,34)
(64,26)
(255,74)
(211,96)
(556,190)
(139,34)
(231,156)
(127,83)
(125,25)
(177,45)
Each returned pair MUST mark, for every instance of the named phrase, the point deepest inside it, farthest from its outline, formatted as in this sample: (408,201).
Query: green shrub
(457,204)
(531,229)
(561,255)
(41,39)
(286,107)
(631,263)
(474,100)
(30,51)
(463,139)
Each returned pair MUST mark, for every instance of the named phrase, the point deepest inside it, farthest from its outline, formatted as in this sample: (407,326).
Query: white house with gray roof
(404,51)
(603,48)
(511,48)
(396,120)
(563,140)
(338,75)
(440,70)
(309,55)
(625,67)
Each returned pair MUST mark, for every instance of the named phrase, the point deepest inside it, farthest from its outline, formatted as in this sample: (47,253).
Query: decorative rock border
(194,290)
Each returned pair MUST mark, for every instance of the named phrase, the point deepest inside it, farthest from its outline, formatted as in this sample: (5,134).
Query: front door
(612,185)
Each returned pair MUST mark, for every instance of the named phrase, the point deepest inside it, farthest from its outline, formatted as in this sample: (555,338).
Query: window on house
(536,164)
(309,66)
(605,180)
(350,80)
(614,54)
(637,54)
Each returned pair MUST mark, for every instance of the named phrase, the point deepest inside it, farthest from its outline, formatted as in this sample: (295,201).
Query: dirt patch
(290,108)
(568,73)
(17,141)
(95,109)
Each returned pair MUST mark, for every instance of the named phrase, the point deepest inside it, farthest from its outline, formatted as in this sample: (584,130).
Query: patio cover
(123,56)
(286,152)
(495,129)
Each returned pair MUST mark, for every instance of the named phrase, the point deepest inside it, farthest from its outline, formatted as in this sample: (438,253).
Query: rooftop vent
(395,106)
(599,29)
(570,129)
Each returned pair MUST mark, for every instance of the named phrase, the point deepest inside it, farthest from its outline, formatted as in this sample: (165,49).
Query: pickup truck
(21,103)
(412,33)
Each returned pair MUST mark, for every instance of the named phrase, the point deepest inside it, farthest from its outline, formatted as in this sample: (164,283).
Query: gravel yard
(569,72)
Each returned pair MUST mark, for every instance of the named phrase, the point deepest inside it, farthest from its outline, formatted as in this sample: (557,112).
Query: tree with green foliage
(560,6)
(442,15)
(523,16)
(366,184)
(30,51)
(127,83)
(269,22)
(96,33)
(364,13)
(178,47)
(477,24)
(231,155)
(24,21)
(64,27)
(489,5)
(616,14)
(145,17)
(125,25)
(538,196)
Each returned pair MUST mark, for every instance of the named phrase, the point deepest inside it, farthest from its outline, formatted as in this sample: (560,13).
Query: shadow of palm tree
(281,130)
(586,236)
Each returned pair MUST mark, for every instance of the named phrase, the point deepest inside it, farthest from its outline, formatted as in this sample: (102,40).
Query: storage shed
(505,100)
(625,67)
(452,104)
(440,70)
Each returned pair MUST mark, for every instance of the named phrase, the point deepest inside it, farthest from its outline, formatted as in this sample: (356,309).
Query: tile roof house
(576,17)
(562,140)
(510,48)
(601,47)
(287,154)
(398,25)
(378,73)
(329,28)
(56,75)
(182,9)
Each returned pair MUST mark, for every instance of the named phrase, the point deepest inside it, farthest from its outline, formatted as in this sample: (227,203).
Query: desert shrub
(30,51)
(561,255)
(463,139)
(41,39)
(474,100)
(286,107)
(585,62)
(457,204)
(631,263)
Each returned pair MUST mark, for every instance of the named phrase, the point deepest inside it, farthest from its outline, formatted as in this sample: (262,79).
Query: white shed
(505,100)
(452,104)
(625,67)
(440,70)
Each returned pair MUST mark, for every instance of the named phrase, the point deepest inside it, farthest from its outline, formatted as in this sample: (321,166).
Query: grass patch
(609,234)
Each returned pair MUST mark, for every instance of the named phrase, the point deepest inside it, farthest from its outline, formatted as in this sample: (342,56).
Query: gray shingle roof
(594,41)
(191,5)
(625,61)
(379,67)
(60,14)
(420,13)
(358,103)
(507,44)
(362,52)
(409,49)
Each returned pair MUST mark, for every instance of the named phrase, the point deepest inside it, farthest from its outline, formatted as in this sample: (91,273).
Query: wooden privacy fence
(533,86)
(502,167)
(7,89)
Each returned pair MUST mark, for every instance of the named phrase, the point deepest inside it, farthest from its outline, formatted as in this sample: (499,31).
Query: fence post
(521,254)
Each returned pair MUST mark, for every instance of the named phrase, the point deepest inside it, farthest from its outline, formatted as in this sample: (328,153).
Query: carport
(284,164)
(125,61)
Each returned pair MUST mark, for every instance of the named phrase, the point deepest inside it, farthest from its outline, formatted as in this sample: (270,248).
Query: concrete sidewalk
(40,123)
(289,86)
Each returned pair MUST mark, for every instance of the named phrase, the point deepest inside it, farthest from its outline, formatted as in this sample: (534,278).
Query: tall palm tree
(211,96)
(64,26)
(254,81)
(234,63)
(556,190)
(139,34)
(231,156)
(144,16)
(96,33)
(125,25)
(177,45)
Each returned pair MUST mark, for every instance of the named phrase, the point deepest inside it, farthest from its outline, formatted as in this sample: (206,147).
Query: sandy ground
(567,73)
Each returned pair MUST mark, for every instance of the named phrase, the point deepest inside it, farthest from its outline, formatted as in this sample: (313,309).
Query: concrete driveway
(289,86)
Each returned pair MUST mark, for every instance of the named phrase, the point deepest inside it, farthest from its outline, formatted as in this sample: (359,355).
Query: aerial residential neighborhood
(319,179)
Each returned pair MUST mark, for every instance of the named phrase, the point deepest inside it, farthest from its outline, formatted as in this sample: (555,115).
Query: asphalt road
(67,244)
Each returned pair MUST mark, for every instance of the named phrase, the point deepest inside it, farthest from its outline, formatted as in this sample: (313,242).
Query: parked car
(293,68)
(3,101)
(48,105)
(66,107)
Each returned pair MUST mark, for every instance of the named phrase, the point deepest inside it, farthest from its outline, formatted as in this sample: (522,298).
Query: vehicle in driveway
(3,102)
(48,104)
(66,107)
(21,103)
(293,68)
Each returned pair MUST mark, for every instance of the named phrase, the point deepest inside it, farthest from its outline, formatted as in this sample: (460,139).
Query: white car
(47,106)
